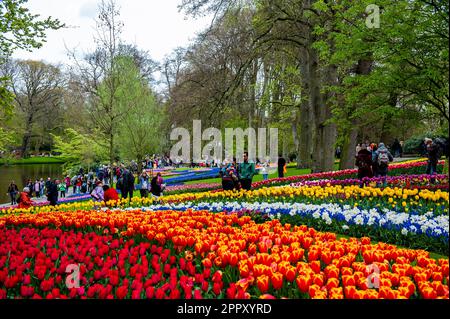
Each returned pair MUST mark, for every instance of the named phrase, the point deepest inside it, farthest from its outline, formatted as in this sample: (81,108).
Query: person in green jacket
(246,172)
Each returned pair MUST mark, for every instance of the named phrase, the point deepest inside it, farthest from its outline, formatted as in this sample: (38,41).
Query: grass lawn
(33,160)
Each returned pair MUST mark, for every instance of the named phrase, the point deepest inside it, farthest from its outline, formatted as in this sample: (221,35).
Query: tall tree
(140,129)
(38,91)
(19,29)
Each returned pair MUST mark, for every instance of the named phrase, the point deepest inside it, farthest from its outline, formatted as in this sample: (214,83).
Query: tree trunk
(349,149)
(306,115)
(318,112)
(329,127)
(27,136)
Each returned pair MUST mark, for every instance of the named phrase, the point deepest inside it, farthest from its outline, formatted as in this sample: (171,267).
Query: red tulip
(277,280)
(150,292)
(217,277)
(207,263)
(122,292)
(315,266)
(197,294)
(231,291)
(303,282)
(263,283)
(291,274)
(217,288)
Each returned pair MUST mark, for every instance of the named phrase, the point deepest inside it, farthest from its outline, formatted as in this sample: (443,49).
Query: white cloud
(153,25)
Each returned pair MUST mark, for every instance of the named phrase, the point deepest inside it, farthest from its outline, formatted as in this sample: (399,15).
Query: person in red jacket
(24,200)
(110,194)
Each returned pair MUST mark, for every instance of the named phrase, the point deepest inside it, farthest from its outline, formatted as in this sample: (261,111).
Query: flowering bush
(197,254)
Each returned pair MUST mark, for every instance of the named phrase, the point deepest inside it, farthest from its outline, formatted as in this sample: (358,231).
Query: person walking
(52,193)
(62,189)
(364,163)
(433,157)
(373,150)
(30,187)
(78,185)
(128,184)
(67,182)
(13,190)
(246,172)
(157,185)
(144,184)
(41,187)
(281,166)
(396,148)
(382,159)
(37,188)
(24,200)
(265,170)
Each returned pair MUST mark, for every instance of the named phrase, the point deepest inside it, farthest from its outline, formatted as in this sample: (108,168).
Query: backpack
(383,159)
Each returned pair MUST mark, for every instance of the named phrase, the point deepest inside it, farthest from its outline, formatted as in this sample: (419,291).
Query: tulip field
(317,236)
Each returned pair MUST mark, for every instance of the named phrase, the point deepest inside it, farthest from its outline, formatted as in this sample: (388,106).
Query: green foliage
(19,29)
(78,149)
(141,126)
(5,139)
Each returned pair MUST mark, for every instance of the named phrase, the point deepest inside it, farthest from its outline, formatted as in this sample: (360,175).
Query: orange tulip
(348,281)
(346,271)
(267,296)
(437,276)
(349,292)
(244,271)
(306,242)
(332,271)
(303,283)
(218,262)
(318,280)
(313,290)
(332,283)
(297,255)
(428,293)
(263,283)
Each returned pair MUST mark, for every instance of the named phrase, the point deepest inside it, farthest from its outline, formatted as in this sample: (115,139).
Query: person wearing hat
(24,199)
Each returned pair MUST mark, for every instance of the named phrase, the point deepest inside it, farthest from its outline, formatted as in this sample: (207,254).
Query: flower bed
(407,168)
(432,182)
(409,230)
(419,201)
(198,254)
